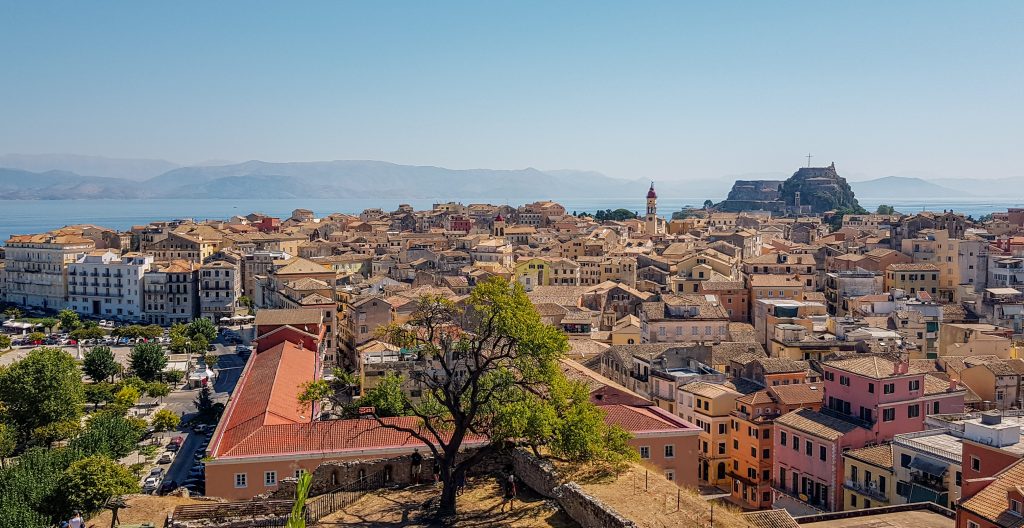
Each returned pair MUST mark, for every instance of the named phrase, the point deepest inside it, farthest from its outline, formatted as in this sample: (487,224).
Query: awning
(934,469)
(225,319)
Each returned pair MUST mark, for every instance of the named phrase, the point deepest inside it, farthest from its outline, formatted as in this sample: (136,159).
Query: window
(905,460)
(721,426)
(915,385)
(645,452)
(782,438)
(871,388)
(959,478)
(270,478)
(670,475)
(735,443)
(889,388)
(975,463)
(721,448)
(853,501)
(913,411)
(766,453)
(972,524)
(299,472)
(670,451)
(844,380)
(888,415)
(822,452)
(241,480)
(796,443)
(935,408)
(808,448)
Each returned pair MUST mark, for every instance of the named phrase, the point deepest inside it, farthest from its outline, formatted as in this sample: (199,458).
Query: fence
(323,505)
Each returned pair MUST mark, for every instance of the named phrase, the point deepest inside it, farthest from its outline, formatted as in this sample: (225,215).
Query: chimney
(953,384)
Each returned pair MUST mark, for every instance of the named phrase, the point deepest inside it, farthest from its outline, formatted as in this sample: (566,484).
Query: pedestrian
(510,493)
(76,521)
(437,471)
(460,482)
(417,465)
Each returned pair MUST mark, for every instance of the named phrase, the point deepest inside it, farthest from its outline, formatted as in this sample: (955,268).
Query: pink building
(885,396)
(867,400)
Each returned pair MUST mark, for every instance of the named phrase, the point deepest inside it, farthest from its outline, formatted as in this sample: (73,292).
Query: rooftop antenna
(809,159)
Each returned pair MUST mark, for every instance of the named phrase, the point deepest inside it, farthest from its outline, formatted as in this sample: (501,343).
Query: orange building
(751,431)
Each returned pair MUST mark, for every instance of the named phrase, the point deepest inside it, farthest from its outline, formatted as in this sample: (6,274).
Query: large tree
(5,342)
(491,373)
(69,320)
(99,363)
(147,360)
(42,389)
(90,482)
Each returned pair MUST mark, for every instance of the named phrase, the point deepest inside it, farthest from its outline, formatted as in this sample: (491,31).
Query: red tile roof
(640,420)
(267,394)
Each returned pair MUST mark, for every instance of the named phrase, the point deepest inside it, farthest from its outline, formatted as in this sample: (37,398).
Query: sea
(34,216)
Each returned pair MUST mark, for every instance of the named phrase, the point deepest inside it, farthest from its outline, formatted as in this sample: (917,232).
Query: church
(652,224)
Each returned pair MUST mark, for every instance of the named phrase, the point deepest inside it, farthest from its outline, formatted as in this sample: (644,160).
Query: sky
(658,90)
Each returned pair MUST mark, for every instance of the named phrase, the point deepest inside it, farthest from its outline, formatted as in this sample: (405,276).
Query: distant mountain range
(62,176)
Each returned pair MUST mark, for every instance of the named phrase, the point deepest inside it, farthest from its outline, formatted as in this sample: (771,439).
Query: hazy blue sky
(666,90)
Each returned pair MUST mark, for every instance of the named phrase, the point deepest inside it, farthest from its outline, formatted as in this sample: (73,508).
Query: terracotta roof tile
(991,502)
(816,423)
(878,455)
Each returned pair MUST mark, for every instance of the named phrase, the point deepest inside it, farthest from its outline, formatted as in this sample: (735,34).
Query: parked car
(199,428)
(150,484)
(156,472)
(211,348)
(166,458)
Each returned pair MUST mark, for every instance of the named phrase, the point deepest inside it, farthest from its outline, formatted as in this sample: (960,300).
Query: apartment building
(870,479)
(683,318)
(912,278)
(35,267)
(220,286)
(104,284)
(709,406)
(170,293)
(960,261)
(752,436)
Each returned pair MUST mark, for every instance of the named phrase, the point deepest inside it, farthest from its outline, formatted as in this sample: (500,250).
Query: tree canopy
(885,210)
(42,389)
(147,360)
(494,376)
(99,363)
(91,481)
(616,215)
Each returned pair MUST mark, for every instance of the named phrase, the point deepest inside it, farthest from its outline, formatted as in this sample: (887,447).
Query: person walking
(510,493)
(417,465)
(76,521)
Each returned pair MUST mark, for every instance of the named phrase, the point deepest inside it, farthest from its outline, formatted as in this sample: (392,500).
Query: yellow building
(912,278)
(626,331)
(709,406)
(870,480)
(547,271)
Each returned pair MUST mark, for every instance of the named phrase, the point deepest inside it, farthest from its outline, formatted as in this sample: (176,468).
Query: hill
(128,169)
(891,187)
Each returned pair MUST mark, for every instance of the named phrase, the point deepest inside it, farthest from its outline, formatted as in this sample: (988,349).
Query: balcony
(869,490)
(820,504)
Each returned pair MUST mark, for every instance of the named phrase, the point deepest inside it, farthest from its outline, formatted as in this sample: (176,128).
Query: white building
(105,284)
(36,268)
(220,286)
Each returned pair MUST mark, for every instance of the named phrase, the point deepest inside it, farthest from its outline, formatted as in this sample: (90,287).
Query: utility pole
(809,159)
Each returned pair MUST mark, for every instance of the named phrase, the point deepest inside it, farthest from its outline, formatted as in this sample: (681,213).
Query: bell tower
(499,227)
(651,220)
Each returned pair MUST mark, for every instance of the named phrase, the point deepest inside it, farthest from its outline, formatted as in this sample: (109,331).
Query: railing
(323,505)
(870,491)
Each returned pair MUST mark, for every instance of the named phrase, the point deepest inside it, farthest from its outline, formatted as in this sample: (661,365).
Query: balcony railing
(869,490)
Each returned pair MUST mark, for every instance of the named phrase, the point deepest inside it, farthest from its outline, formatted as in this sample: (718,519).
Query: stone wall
(541,476)
(396,470)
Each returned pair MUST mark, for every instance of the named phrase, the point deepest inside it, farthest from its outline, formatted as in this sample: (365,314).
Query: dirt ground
(654,504)
(479,506)
(142,509)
